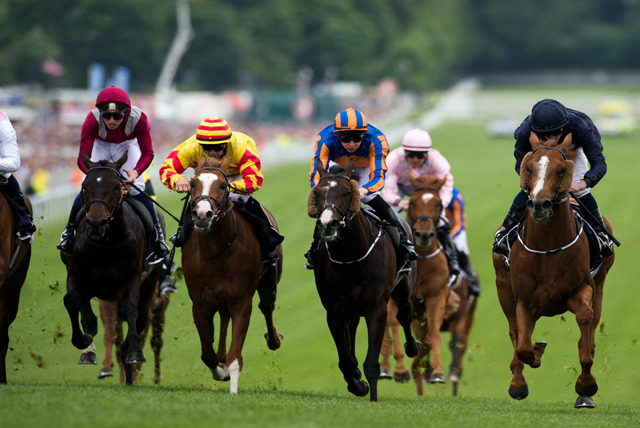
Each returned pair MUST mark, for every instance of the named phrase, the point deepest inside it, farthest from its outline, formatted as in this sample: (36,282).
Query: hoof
(454,376)
(385,374)
(411,349)
(105,372)
(221,373)
(584,403)
(135,358)
(402,377)
(88,358)
(274,344)
(519,392)
(157,378)
(437,378)
(587,391)
(359,388)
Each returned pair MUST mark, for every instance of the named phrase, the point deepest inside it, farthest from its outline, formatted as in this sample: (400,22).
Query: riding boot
(406,252)
(311,254)
(69,233)
(443,231)
(514,216)
(268,237)
(472,275)
(597,223)
(24,222)
(160,249)
(184,230)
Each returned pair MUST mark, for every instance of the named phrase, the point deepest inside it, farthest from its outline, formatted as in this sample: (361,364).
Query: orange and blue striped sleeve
(377,163)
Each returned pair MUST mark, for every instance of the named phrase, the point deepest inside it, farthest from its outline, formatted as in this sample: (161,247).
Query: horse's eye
(562,172)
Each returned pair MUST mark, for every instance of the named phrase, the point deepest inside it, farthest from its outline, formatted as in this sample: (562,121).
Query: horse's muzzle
(202,224)
(424,238)
(97,227)
(540,210)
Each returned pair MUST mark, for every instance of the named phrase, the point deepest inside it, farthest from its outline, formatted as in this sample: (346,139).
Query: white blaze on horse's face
(204,206)
(426,197)
(327,215)
(542,171)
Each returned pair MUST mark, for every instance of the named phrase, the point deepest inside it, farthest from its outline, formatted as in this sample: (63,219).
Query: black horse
(355,271)
(108,262)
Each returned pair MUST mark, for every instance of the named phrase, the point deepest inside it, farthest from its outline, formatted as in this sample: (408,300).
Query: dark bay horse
(222,270)
(355,270)
(440,303)
(549,271)
(108,262)
(14,265)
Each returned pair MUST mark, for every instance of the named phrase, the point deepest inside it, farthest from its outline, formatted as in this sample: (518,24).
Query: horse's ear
(320,167)
(563,189)
(312,207)
(87,161)
(534,140)
(567,145)
(440,182)
(413,181)
(122,160)
(355,198)
(225,163)
(349,170)
(524,174)
(201,162)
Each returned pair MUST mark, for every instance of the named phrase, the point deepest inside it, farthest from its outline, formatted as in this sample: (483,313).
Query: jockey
(214,138)
(9,163)
(416,157)
(109,130)
(551,122)
(350,137)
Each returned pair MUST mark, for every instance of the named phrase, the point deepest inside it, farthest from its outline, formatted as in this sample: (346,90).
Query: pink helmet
(416,140)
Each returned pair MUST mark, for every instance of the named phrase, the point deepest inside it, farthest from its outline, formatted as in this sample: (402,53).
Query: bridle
(220,204)
(555,199)
(413,222)
(345,214)
(111,209)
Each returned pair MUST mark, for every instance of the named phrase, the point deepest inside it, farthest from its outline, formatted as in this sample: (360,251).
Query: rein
(373,244)
(555,250)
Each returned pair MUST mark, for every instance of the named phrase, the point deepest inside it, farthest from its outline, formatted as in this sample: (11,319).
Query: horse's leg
(435,316)
(267,290)
(402,296)
(385,353)
(157,325)
(417,365)
(580,304)
(527,352)
(339,328)
(73,303)
(131,345)
(118,342)
(240,316)
(376,323)
(108,315)
(203,319)
(222,340)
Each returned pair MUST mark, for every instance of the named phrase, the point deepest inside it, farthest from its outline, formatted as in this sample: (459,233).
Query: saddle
(595,258)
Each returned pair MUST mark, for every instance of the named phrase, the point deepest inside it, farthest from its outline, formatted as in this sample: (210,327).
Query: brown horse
(223,269)
(391,345)
(108,263)
(113,337)
(440,303)
(549,271)
(14,264)
(355,272)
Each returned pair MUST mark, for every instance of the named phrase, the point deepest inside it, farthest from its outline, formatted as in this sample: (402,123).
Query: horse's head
(335,199)
(209,192)
(101,194)
(425,208)
(546,175)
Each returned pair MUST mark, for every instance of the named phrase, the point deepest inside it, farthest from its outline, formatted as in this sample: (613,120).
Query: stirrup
(309,264)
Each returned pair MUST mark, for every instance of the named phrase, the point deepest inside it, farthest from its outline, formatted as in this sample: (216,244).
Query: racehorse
(222,270)
(113,337)
(391,345)
(355,272)
(14,264)
(440,303)
(108,262)
(549,270)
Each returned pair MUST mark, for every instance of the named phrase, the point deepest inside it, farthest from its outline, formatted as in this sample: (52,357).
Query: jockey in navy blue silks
(551,122)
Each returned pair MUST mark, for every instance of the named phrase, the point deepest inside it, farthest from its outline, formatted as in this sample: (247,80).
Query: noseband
(346,216)
(221,204)
(112,210)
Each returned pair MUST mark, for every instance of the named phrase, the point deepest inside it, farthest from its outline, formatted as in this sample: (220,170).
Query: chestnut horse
(549,271)
(355,271)
(391,345)
(108,262)
(440,303)
(222,270)
(14,264)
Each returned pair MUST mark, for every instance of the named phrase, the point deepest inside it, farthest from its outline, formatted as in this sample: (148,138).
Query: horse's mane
(427,180)
(105,163)
(312,209)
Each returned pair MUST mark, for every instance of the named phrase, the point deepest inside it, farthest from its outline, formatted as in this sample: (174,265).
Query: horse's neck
(221,232)
(558,230)
(357,234)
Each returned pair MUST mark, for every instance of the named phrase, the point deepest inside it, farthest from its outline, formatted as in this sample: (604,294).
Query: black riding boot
(443,231)
(69,233)
(160,246)
(24,221)
(168,280)
(268,237)
(597,223)
(514,216)
(470,272)
(311,254)
(184,230)
(406,252)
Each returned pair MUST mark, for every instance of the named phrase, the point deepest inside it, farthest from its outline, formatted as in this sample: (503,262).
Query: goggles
(544,136)
(419,155)
(116,116)
(351,136)
(215,147)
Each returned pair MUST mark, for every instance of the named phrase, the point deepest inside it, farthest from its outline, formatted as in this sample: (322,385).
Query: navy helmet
(548,115)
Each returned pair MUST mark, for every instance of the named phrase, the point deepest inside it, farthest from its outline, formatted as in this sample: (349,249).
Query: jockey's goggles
(215,147)
(419,155)
(346,137)
(116,116)
(544,136)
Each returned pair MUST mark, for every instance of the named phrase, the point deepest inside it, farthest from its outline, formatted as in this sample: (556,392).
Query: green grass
(301,383)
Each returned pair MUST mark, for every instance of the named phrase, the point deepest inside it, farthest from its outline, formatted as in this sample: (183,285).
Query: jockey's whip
(597,220)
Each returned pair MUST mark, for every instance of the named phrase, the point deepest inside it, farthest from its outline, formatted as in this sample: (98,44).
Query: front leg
(131,351)
(341,332)
(73,303)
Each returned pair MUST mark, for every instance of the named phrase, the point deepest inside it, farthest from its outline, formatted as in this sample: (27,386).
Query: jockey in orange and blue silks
(351,137)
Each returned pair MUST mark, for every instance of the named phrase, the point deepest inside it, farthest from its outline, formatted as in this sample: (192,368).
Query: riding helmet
(416,140)
(548,115)
(350,120)
(213,130)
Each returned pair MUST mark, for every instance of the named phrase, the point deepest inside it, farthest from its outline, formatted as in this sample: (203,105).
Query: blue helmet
(548,115)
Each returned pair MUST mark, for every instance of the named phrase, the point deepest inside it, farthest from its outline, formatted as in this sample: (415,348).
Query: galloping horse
(108,262)
(549,271)
(440,303)
(14,264)
(355,270)
(222,270)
